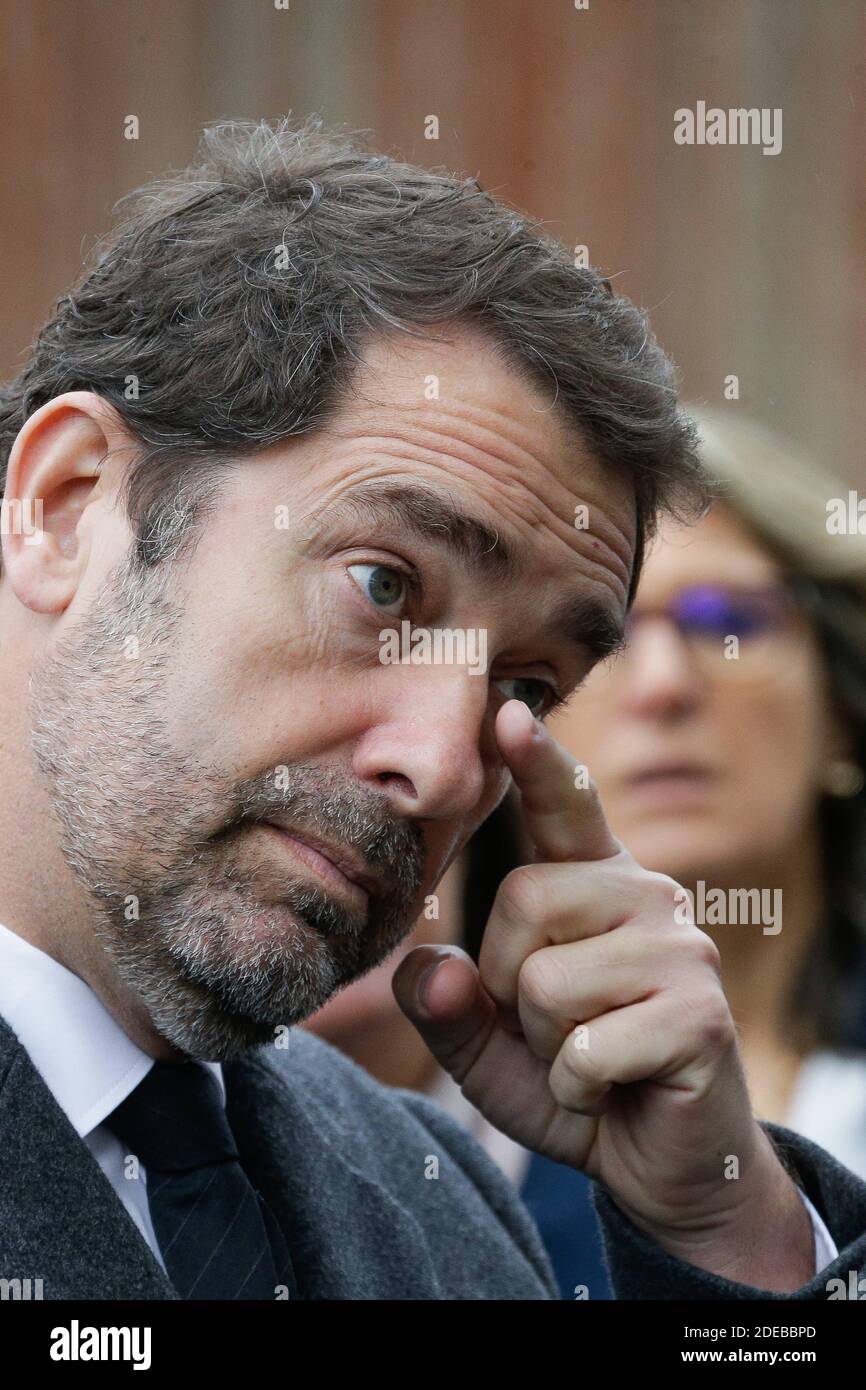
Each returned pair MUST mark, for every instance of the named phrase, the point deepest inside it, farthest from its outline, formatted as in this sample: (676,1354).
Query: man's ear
(68,456)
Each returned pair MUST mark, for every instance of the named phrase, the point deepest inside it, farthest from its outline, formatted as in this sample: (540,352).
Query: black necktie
(216,1235)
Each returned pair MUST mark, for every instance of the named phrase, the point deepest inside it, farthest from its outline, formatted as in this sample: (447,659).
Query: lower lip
(324,868)
(673,790)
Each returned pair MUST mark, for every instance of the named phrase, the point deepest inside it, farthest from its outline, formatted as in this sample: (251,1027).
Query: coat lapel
(62,1222)
(60,1219)
(348,1237)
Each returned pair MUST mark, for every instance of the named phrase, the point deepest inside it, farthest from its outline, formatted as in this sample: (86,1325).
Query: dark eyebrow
(582,619)
(587,622)
(430,515)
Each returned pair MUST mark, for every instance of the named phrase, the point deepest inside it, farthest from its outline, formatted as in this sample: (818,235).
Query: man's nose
(661,678)
(431,752)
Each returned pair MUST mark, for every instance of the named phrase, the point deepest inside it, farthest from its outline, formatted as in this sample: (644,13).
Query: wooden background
(750,264)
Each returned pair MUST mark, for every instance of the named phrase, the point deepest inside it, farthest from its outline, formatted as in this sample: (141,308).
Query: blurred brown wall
(750,264)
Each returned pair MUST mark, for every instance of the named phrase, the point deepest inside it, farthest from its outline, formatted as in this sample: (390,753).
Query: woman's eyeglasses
(733,631)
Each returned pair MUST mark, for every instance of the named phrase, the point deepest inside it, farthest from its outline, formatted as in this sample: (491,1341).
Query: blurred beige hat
(788,498)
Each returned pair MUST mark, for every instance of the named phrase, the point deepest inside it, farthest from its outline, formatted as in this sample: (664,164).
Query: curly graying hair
(229,310)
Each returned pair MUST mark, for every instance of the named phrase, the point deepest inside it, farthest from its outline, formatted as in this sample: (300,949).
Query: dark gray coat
(343,1162)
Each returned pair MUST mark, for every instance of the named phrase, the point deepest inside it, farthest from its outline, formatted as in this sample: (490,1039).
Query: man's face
(184,712)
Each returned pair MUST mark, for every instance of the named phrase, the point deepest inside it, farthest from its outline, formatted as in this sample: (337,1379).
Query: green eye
(383,586)
(537,694)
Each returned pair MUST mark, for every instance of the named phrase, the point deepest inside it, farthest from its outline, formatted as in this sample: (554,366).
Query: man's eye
(383,586)
(539,695)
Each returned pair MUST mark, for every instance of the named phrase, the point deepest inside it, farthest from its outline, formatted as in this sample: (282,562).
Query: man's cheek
(321,632)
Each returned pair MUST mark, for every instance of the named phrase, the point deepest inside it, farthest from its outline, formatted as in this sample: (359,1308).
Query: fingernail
(424,981)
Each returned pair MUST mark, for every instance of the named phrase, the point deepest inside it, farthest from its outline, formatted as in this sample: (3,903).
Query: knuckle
(542,982)
(581,1064)
(706,950)
(522,894)
(689,959)
(716,1030)
(624,868)
(662,886)
(694,949)
(654,893)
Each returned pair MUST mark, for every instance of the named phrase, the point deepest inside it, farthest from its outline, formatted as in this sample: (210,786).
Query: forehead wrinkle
(502,446)
(405,445)
(463,398)
(430,513)
(600,552)
(434,432)
(497,427)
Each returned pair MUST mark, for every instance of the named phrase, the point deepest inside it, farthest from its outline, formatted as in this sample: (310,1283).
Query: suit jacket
(342,1161)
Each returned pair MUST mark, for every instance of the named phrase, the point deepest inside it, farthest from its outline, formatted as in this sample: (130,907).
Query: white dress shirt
(828,1105)
(82,1054)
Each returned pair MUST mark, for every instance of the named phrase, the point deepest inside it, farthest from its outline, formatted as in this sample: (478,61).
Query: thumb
(440,992)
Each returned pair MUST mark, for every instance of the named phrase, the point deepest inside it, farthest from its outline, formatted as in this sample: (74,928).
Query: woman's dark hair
(827,1003)
(229,312)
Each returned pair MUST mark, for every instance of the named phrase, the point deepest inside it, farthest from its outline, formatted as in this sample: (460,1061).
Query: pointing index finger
(562,810)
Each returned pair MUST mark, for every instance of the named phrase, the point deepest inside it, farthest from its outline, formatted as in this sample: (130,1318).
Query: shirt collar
(81,1052)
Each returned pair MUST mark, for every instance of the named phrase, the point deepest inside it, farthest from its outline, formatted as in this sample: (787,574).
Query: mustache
(322,804)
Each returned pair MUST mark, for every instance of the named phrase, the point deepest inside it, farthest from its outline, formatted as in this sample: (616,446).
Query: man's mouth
(337,866)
